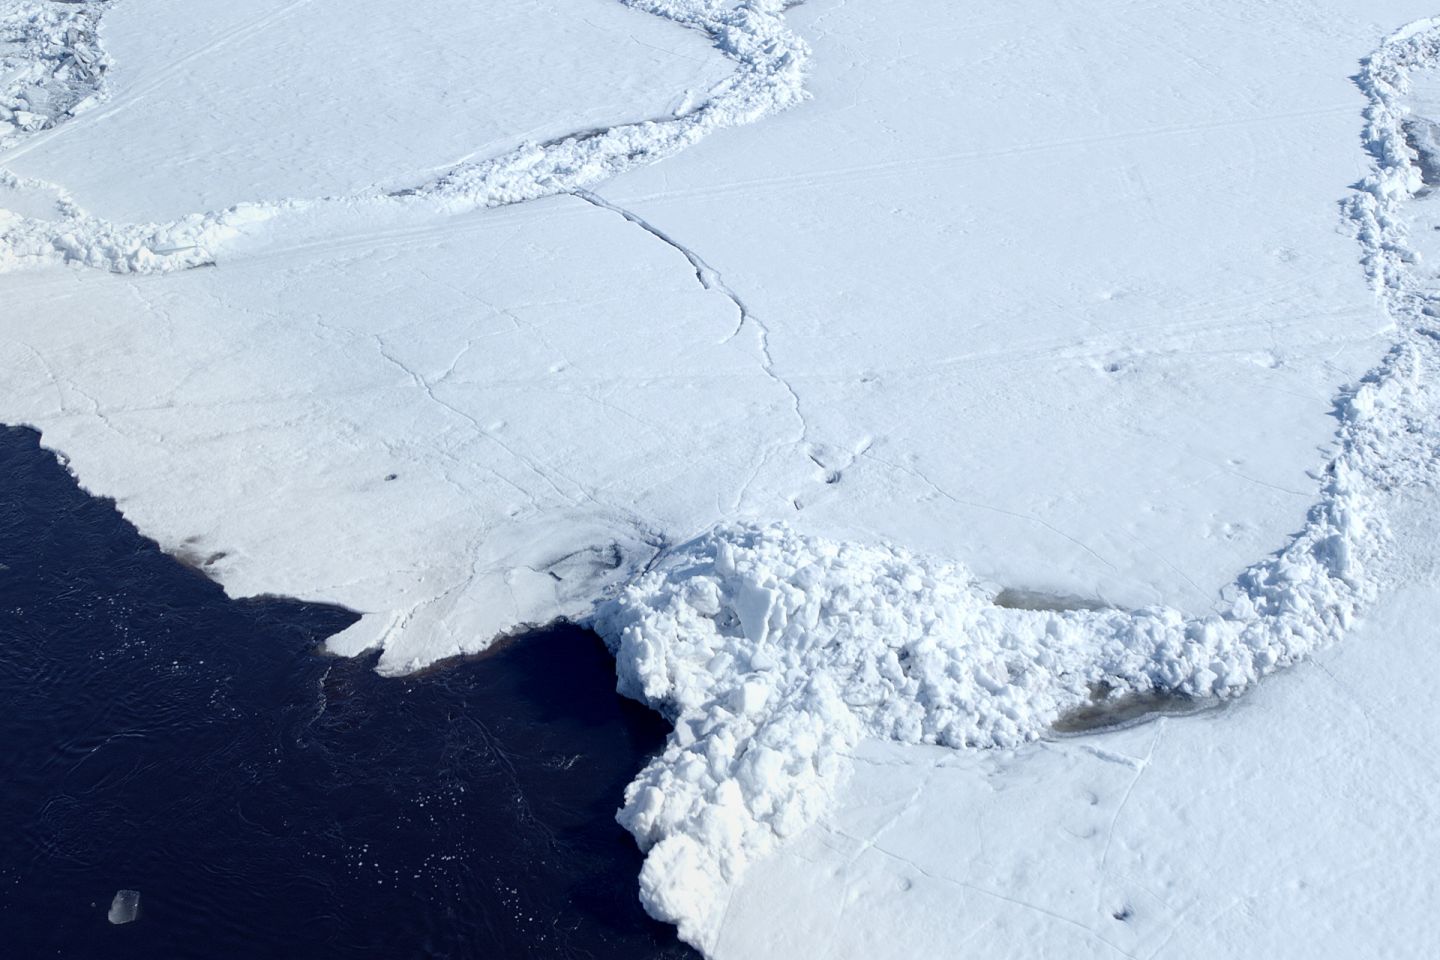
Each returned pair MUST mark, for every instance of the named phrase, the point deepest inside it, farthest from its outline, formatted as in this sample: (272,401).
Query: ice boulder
(125,907)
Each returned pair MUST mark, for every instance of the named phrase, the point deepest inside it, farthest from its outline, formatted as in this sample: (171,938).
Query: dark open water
(268,801)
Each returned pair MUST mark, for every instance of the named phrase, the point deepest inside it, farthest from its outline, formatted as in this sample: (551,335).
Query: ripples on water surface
(269,801)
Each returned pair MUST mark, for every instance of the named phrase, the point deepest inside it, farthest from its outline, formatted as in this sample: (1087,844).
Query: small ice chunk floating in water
(125,907)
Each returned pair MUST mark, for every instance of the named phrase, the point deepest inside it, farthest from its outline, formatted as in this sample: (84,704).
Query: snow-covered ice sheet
(776,653)
(70,70)
(1066,299)
(212,103)
(1125,298)
(1298,821)
(473,456)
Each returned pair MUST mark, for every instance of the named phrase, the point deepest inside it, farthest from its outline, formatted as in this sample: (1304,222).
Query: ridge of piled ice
(774,652)
(56,47)
(51,64)
(770,73)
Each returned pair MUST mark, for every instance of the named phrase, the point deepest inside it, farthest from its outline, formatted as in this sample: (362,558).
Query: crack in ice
(711,279)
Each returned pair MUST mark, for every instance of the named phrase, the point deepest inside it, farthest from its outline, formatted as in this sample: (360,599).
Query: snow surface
(179,136)
(938,410)
(1298,821)
(221,103)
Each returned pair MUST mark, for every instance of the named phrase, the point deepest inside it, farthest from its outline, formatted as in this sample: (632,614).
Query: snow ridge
(769,77)
(773,652)
(770,70)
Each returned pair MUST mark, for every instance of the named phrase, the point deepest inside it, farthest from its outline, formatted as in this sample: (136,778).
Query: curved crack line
(711,279)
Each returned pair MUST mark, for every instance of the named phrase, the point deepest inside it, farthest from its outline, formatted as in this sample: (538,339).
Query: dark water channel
(268,801)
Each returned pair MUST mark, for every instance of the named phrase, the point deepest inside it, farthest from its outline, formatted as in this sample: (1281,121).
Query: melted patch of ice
(1106,711)
(1014,598)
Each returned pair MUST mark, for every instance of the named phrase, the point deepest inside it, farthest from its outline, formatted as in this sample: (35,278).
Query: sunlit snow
(873,377)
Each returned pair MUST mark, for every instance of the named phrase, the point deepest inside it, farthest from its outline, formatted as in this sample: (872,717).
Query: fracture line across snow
(774,652)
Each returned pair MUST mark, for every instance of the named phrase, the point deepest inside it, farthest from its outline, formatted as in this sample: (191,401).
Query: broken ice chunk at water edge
(125,907)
